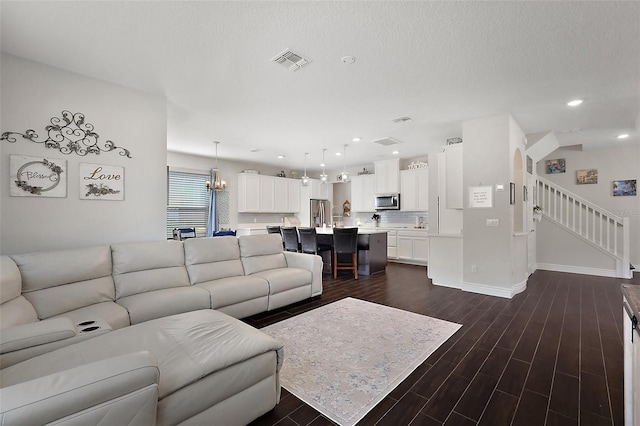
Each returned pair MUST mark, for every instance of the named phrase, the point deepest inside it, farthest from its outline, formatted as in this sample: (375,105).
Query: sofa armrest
(312,263)
(126,386)
(36,333)
(26,341)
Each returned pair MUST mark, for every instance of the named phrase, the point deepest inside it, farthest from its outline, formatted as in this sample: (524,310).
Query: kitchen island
(372,248)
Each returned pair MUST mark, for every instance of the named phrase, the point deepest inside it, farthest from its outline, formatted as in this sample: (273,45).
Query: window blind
(188,203)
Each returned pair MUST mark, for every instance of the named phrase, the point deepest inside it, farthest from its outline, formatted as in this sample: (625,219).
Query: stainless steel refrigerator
(320,213)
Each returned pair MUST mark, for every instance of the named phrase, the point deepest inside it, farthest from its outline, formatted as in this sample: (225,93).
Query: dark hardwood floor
(552,355)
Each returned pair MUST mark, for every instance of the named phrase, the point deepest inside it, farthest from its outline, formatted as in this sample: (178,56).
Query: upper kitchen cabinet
(453,175)
(387,173)
(414,190)
(319,190)
(267,194)
(363,193)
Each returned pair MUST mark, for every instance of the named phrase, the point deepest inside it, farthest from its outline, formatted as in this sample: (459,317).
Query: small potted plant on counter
(376,218)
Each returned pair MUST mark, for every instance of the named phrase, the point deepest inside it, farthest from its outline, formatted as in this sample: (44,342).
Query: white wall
(32,94)
(494,260)
(612,163)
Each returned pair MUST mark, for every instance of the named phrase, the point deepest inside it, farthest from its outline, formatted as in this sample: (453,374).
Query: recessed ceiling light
(396,152)
(322,165)
(357,139)
(281,156)
(338,154)
(574,102)
(623,136)
(348,59)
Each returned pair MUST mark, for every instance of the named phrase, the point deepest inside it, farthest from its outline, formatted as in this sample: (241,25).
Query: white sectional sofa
(144,333)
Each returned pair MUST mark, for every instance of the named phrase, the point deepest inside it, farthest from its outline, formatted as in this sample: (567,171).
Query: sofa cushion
(148,266)
(9,279)
(212,258)
(64,280)
(285,278)
(261,252)
(233,290)
(14,308)
(160,303)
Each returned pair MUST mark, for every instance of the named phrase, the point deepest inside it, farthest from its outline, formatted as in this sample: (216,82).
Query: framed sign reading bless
(37,176)
(101,182)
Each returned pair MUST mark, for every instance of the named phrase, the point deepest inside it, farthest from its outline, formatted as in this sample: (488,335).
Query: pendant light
(344,176)
(323,176)
(218,183)
(305,178)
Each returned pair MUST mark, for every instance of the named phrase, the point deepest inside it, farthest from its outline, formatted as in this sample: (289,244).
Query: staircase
(593,224)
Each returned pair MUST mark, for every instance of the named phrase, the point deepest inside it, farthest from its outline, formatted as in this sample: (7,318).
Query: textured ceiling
(440,63)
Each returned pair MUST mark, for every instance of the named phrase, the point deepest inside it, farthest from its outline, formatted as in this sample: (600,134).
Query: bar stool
(309,244)
(345,242)
(290,238)
(273,230)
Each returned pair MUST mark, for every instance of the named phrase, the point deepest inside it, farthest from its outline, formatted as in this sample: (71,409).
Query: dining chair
(290,238)
(345,242)
(273,230)
(309,244)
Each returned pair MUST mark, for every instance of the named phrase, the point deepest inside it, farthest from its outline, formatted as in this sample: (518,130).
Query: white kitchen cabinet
(387,173)
(267,194)
(294,197)
(414,190)
(248,192)
(392,244)
(453,173)
(363,192)
(281,195)
(413,247)
(319,190)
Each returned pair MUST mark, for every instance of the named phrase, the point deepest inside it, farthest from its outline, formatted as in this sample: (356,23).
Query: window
(188,205)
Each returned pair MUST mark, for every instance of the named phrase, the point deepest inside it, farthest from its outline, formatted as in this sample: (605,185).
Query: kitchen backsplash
(395,217)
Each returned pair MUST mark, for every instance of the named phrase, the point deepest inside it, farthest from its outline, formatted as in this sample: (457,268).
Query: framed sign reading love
(101,182)
(37,176)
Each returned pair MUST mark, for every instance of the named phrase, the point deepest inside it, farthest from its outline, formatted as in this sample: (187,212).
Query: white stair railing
(596,225)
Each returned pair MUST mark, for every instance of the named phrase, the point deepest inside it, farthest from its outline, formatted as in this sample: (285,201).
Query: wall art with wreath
(37,176)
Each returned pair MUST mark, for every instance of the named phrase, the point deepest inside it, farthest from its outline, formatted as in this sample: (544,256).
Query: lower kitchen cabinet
(413,247)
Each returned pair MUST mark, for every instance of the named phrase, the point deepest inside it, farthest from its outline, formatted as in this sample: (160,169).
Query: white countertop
(364,231)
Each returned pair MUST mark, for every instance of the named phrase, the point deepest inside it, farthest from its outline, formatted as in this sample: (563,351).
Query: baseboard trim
(584,270)
(489,290)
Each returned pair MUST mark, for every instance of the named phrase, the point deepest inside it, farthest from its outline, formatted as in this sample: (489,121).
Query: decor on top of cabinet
(281,174)
(69,134)
(417,165)
(364,172)
(453,141)
(37,176)
(101,182)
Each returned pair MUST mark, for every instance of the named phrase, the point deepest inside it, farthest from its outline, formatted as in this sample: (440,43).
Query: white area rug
(345,357)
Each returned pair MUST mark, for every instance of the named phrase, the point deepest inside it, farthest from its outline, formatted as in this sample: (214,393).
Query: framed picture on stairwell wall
(625,188)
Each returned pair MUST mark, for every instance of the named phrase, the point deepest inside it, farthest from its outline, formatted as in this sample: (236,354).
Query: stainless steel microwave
(388,202)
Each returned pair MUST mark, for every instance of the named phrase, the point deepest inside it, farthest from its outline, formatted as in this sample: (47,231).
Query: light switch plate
(493,222)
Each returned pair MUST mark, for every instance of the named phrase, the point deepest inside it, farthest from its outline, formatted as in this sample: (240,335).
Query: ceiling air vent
(401,119)
(387,141)
(291,60)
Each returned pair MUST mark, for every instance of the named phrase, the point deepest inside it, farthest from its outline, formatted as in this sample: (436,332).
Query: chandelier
(218,183)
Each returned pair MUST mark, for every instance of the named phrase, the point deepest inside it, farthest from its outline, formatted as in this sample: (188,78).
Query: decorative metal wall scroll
(70,134)
(37,176)
(101,182)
